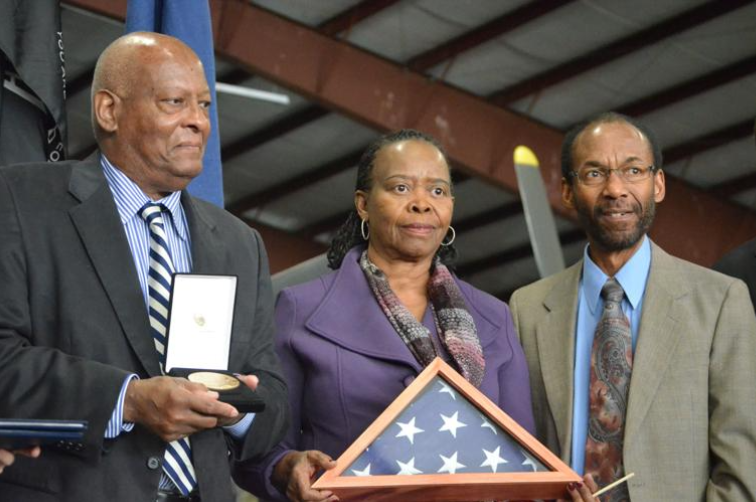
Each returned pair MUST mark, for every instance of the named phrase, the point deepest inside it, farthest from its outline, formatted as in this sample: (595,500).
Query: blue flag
(189,21)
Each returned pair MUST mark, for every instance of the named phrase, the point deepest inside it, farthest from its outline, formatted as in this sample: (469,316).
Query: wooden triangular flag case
(443,440)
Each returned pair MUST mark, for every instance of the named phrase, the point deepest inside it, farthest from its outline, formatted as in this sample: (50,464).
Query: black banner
(32,95)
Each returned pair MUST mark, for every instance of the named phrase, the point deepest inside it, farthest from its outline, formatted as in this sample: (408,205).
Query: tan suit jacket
(691,420)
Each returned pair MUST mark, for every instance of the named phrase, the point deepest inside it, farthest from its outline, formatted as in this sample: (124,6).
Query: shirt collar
(129,198)
(632,277)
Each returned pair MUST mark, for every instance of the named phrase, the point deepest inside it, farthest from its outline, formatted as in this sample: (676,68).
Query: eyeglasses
(597,176)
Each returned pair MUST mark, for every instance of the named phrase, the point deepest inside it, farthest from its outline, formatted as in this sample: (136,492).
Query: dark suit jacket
(73,324)
(741,263)
(345,363)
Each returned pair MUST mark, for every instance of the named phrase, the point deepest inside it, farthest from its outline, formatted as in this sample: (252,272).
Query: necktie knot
(151,212)
(612,292)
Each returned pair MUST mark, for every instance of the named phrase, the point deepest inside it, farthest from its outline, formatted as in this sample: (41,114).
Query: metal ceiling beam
(708,141)
(479,136)
(381,94)
(488,31)
(340,22)
(627,45)
(735,186)
(328,224)
(284,125)
(499,213)
(234,76)
(290,186)
(344,21)
(691,88)
(420,63)
(285,249)
(513,254)
(280,127)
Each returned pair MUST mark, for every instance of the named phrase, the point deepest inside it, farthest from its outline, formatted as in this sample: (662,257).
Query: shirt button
(153,463)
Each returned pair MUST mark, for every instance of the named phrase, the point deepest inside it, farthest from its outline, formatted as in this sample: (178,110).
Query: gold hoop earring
(454,236)
(365,233)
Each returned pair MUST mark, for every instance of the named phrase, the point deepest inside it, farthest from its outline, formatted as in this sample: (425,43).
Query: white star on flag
(450,464)
(493,459)
(487,425)
(451,424)
(409,430)
(529,461)
(363,472)
(407,469)
(446,389)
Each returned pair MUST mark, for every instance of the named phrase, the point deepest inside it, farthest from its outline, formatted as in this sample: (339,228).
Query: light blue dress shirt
(632,277)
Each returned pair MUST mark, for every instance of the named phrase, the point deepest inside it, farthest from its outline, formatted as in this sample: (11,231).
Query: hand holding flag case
(443,440)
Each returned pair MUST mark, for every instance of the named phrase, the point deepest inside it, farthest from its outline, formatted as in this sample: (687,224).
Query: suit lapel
(557,355)
(348,299)
(99,226)
(207,251)
(659,334)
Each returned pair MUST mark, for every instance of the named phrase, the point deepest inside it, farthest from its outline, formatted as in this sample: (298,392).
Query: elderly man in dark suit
(81,246)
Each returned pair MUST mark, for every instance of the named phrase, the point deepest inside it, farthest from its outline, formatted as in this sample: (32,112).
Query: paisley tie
(611,366)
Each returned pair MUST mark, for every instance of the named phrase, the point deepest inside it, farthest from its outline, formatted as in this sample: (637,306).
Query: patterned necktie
(177,463)
(611,366)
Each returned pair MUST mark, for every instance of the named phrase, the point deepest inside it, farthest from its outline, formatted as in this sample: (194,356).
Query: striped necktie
(177,463)
(611,367)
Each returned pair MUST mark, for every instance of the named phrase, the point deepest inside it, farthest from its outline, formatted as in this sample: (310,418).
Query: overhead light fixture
(238,90)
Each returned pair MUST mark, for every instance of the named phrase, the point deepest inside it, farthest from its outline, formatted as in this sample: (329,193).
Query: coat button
(408,380)
(153,463)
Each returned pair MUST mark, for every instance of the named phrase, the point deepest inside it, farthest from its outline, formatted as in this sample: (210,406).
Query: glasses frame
(652,168)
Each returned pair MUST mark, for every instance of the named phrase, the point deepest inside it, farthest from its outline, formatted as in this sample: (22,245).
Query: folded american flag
(442,432)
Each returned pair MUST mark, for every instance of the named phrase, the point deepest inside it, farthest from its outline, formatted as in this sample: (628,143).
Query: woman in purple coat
(352,340)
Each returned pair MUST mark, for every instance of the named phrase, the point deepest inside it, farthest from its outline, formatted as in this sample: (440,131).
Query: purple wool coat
(344,364)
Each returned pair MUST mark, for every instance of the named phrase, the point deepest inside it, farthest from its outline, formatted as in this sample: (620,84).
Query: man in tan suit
(687,421)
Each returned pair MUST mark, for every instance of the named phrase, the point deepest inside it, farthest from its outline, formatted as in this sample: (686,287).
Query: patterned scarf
(456,327)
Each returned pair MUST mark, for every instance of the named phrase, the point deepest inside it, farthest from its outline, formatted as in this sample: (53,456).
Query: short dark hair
(349,234)
(568,144)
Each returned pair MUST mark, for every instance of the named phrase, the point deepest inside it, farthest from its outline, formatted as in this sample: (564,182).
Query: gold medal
(214,381)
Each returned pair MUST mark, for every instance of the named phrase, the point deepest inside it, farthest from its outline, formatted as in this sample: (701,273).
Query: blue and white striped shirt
(129,199)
